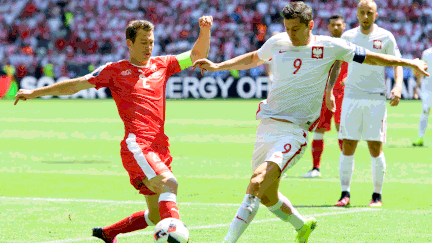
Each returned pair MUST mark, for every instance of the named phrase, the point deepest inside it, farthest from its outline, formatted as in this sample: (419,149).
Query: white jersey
(368,81)
(427,81)
(300,75)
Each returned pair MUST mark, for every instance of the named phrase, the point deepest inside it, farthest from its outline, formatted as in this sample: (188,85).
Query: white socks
(318,136)
(423,123)
(244,216)
(378,172)
(346,168)
(286,212)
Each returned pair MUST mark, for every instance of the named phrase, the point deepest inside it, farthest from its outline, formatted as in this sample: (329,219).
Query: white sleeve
(392,47)
(265,53)
(348,52)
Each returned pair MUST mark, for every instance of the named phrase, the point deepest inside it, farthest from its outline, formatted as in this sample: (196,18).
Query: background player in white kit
(301,65)
(426,97)
(364,111)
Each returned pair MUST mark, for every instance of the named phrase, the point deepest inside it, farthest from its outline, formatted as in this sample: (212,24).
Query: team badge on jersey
(377,44)
(318,52)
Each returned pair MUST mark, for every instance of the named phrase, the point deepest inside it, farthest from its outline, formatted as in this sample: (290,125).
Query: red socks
(167,209)
(168,206)
(134,222)
(317,150)
(340,144)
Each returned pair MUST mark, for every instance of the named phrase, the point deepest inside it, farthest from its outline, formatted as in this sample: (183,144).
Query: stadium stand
(70,38)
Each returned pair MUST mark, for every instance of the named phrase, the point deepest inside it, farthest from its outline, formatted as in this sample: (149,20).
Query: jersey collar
(145,66)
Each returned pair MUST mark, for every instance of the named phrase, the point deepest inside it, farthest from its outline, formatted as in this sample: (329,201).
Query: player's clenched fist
(205,22)
(24,94)
(205,65)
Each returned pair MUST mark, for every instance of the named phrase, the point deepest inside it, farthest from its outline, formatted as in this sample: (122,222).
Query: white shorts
(426,99)
(365,118)
(283,143)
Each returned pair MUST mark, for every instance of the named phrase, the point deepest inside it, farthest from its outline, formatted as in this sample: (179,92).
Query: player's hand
(420,66)
(205,22)
(416,93)
(24,94)
(330,101)
(395,95)
(342,84)
(205,65)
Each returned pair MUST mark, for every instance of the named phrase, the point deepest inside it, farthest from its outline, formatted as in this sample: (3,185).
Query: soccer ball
(171,230)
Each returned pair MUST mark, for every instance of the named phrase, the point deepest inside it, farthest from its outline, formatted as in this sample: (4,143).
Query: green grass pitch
(61,175)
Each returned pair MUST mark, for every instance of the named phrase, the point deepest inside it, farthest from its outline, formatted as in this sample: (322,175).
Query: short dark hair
(135,25)
(298,10)
(336,17)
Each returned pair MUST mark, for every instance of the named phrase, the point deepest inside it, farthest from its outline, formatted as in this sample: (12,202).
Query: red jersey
(342,75)
(139,93)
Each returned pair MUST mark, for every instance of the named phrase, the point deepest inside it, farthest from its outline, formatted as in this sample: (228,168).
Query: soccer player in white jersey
(426,97)
(364,111)
(301,65)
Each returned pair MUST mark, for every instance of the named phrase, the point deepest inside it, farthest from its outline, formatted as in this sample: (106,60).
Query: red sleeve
(173,65)
(102,76)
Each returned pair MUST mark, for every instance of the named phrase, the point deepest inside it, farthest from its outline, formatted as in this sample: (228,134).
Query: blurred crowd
(70,38)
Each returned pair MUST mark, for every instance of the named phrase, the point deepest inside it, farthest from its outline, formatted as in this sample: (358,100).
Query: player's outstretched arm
(202,45)
(373,58)
(245,61)
(67,87)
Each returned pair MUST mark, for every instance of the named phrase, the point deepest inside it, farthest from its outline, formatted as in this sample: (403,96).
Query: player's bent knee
(426,111)
(264,176)
(165,182)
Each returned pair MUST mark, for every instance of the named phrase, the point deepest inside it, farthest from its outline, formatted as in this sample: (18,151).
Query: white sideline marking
(124,202)
(110,201)
(217,225)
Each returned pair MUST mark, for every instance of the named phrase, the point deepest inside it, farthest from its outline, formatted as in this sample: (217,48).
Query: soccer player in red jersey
(336,27)
(138,88)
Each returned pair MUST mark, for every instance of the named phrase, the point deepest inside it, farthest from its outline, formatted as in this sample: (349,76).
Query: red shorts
(326,114)
(143,159)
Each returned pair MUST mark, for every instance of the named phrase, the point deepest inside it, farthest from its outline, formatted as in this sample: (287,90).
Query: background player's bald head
(367,14)
(368,3)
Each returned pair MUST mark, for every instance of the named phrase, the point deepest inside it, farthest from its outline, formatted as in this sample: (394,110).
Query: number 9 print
(297,64)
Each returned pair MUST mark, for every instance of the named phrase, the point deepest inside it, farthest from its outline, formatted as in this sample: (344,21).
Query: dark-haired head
(336,17)
(298,10)
(298,22)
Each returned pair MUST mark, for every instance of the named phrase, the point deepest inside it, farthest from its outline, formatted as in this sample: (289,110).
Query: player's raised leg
(136,221)
(165,185)
(263,177)
(282,208)
(278,147)
(378,171)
